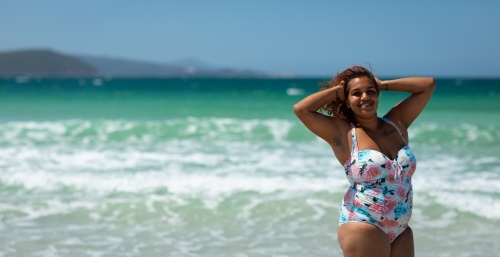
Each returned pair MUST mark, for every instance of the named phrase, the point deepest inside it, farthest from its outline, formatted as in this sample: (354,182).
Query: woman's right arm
(326,127)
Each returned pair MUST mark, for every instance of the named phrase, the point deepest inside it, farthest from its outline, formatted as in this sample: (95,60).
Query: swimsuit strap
(396,127)
(354,141)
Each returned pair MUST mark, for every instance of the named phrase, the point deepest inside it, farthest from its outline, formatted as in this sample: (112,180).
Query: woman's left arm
(421,89)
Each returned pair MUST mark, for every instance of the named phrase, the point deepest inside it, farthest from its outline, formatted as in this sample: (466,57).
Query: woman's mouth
(366,105)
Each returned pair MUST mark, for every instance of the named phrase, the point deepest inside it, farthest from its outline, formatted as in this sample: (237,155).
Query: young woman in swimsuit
(375,154)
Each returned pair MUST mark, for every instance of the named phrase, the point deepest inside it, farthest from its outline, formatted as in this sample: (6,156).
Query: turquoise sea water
(222,167)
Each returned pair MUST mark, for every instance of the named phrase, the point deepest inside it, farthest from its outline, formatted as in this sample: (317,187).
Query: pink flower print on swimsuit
(381,191)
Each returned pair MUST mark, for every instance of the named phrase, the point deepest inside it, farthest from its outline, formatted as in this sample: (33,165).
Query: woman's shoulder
(398,122)
(395,118)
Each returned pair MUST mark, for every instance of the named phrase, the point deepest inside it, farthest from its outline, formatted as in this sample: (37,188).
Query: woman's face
(362,97)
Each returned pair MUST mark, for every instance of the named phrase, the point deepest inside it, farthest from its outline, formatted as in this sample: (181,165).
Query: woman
(374,152)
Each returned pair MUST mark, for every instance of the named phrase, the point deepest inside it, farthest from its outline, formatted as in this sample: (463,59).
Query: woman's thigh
(359,239)
(403,245)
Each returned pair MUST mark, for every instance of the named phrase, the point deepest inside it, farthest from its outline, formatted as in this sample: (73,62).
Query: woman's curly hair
(339,108)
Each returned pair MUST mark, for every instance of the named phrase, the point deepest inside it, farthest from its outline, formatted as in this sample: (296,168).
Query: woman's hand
(380,85)
(340,93)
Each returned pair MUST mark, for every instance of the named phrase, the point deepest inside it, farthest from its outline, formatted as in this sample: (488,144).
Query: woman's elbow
(296,109)
(299,110)
(431,83)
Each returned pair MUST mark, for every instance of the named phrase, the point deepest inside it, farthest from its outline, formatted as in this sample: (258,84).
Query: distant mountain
(43,63)
(115,67)
(127,68)
(191,62)
(49,63)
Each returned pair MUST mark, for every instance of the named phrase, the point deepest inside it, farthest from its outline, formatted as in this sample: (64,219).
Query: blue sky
(308,38)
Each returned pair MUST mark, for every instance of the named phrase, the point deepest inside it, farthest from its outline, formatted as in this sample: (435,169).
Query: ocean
(222,167)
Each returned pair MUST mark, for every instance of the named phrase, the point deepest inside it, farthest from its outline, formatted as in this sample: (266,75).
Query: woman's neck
(371,123)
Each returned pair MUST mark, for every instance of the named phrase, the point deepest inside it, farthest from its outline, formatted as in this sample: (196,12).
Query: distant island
(43,63)
(49,63)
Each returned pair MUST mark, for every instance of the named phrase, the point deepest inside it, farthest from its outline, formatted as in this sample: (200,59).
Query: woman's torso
(380,186)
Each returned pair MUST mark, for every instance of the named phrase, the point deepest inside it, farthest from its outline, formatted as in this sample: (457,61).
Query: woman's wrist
(382,85)
(338,91)
(412,85)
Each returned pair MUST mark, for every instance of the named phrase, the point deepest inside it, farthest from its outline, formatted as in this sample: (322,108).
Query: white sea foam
(223,158)
(481,205)
(192,185)
(82,132)
(447,172)
(445,219)
(455,135)
(455,188)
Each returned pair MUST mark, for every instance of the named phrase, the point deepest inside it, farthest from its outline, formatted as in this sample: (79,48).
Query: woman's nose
(364,96)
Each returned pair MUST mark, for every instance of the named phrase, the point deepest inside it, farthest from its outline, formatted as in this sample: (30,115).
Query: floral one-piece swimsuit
(381,191)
